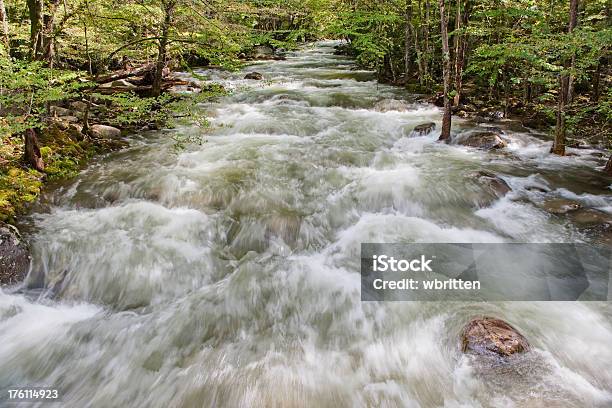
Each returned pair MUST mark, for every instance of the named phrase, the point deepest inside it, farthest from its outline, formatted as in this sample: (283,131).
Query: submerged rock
(254,75)
(538,189)
(561,205)
(437,99)
(494,183)
(104,132)
(482,140)
(601,234)
(491,336)
(386,105)
(588,217)
(14,255)
(423,129)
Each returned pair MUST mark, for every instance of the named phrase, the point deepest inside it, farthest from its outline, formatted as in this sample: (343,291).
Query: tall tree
(162,51)
(4,28)
(407,39)
(573,21)
(565,90)
(446,68)
(47,51)
(461,21)
(35,9)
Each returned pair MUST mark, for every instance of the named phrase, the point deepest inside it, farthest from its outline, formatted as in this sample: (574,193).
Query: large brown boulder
(492,337)
(560,205)
(423,129)
(494,186)
(254,75)
(482,140)
(104,132)
(14,255)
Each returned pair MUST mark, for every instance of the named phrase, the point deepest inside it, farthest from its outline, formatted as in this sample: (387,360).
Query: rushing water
(227,274)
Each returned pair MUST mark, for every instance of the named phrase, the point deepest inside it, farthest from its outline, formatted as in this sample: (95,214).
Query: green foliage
(26,89)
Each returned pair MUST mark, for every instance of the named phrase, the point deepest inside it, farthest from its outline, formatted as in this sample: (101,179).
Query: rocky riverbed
(227,274)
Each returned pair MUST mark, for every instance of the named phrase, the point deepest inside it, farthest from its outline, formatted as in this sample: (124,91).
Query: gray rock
(491,336)
(254,75)
(59,123)
(79,106)
(104,132)
(423,129)
(262,51)
(59,111)
(69,119)
(482,140)
(76,131)
(14,256)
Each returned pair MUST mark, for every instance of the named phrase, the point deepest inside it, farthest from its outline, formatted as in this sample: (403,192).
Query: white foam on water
(228,274)
(523,222)
(125,254)
(27,328)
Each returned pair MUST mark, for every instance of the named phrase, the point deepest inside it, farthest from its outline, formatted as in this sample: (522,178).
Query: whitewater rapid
(227,274)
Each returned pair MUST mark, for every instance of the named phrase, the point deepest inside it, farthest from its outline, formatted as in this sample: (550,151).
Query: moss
(63,155)
(18,188)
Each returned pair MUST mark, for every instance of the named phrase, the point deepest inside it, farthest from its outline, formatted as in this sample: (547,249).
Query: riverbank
(533,106)
(64,151)
(71,131)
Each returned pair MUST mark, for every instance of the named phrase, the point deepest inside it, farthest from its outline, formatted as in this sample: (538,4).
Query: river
(227,274)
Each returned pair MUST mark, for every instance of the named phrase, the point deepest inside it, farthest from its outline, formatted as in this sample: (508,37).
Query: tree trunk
(608,168)
(573,20)
(4,29)
(163,47)
(47,52)
(35,9)
(427,47)
(596,78)
(565,83)
(446,119)
(558,146)
(32,154)
(419,49)
(407,39)
(460,46)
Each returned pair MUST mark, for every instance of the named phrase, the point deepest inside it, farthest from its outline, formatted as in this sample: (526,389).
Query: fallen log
(123,74)
(138,89)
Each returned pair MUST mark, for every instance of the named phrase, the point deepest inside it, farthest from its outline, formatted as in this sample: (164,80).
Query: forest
(546,62)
